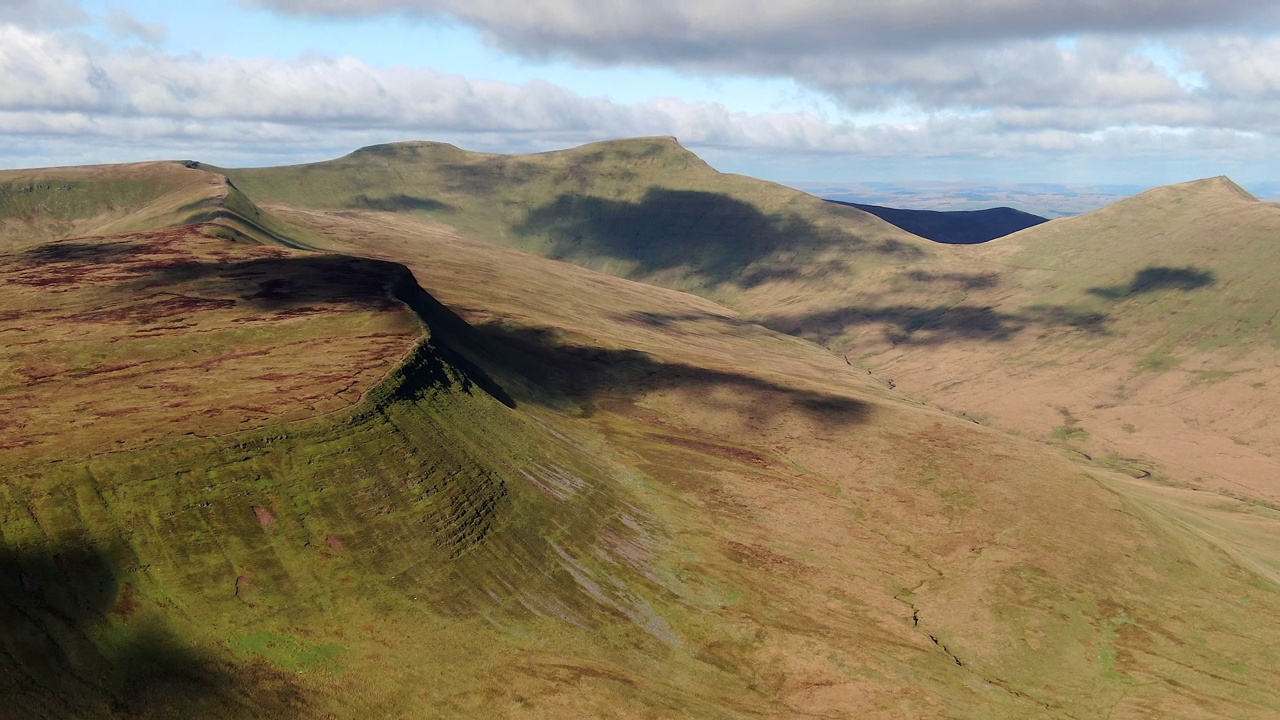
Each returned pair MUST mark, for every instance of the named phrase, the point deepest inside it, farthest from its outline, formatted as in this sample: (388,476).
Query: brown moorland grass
(124,340)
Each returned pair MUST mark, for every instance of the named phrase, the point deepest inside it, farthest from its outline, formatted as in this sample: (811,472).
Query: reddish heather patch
(118,412)
(127,604)
(36,374)
(729,453)
(252,408)
(333,541)
(101,369)
(301,312)
(155,307)
(265,518)
(49,277)
(244,586)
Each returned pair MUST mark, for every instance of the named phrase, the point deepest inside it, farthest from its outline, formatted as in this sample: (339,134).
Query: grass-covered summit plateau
(334,441)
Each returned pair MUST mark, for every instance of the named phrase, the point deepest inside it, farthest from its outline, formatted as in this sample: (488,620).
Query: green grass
(1160,361)
(1070,433)
(291,654)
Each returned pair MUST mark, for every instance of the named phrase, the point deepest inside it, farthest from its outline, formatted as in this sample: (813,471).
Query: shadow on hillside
(560,375)
(965,281)
(72,251)
(484,178)
(74,643)
(274,283)
(711,234)
(397,203)
(917,325)
(669,321)
(1153,279)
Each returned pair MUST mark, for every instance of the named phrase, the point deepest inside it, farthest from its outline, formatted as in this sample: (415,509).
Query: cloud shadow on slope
(73,251)
(539,367)
(939,324)
(713,235)
(285,281)
(961,280)
(1156,278)
(398,203)
(77,641)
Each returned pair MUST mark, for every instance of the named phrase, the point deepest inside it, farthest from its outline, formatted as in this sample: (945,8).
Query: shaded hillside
(954,227)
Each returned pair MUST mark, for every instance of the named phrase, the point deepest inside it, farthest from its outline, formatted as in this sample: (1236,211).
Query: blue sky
(1080,91)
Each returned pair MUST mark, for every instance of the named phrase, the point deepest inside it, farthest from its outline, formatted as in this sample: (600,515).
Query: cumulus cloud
(43,71)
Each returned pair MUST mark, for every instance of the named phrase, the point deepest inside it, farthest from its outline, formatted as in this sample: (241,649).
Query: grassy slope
(683,512)
(643,209)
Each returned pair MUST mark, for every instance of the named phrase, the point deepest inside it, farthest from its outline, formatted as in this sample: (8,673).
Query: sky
(1093,92)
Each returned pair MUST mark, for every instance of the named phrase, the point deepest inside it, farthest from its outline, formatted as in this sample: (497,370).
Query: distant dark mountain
(954,227)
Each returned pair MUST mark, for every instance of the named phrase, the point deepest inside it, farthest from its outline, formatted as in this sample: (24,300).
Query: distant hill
(1051,200)
(643,208)
(954,227)
(1145,330)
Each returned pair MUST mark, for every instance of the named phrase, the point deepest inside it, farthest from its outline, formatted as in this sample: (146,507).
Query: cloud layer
(665,31)
(980,79)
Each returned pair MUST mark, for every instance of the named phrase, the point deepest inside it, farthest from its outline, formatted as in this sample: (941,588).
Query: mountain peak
(1221,183)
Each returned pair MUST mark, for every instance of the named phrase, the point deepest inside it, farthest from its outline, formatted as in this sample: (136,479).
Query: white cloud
(43,71)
